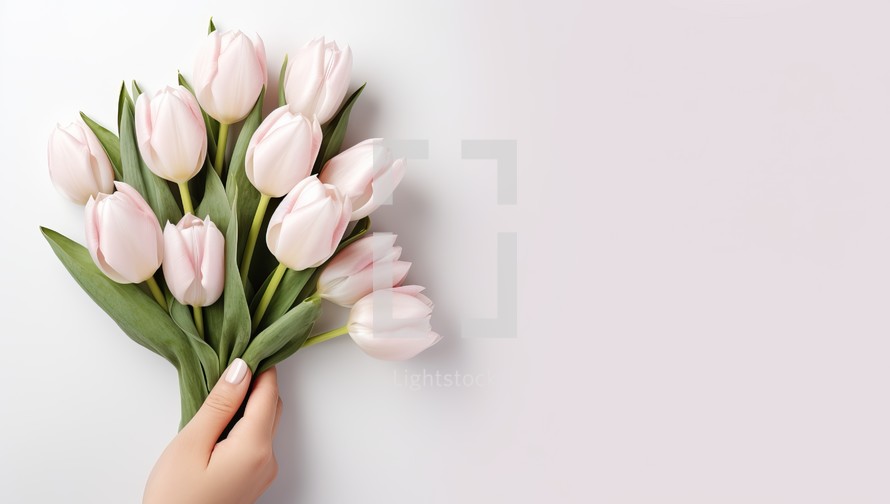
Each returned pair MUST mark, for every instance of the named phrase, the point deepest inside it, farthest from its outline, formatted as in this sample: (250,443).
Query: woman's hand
(195,469)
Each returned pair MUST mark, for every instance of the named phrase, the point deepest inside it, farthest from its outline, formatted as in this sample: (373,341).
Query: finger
(277,417)
(203,431)
(259,415)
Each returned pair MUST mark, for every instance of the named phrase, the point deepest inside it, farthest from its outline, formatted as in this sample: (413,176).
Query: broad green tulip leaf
(282,100)
(130,161)
(214,203)
(236,315)
(294,327)
(136,312)
(122,99)
(110,142)
(211,28)
(138,315)
(182,316)
(136,90)
(293,345)
(192,390)
(292,283)
(211,124)
(334,131)
(153,188)
(236,179)
(213,322)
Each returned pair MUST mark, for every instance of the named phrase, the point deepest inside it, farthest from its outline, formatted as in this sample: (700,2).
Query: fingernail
(237,371)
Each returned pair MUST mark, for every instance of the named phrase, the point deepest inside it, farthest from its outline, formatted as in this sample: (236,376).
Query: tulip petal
(178,267)
(123,233)
(304,77)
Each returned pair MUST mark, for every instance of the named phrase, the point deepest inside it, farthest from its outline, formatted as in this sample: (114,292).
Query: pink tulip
(230,72)
(282,151)
(366,173)
(171,133)
(317,78)
(307,226)
(123,235)
(194,267)
(78,165)
(393,324)
(369,263)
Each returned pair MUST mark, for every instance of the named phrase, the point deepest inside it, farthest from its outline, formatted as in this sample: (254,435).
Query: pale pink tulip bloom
(366,173)
(123,235)
(317,78)
(369,263)
(282,151)
(171,133)
(307,226)
(393,324)
(78,165)
(194,261)
(230,72)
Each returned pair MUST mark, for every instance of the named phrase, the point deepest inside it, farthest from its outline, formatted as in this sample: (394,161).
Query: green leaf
(212,27)
(282,100)
(110,142)
(292,283)
(211,124)
(236,315)
(130,160)
(136,90)
(122,100)
(236,180)
(334,131)
(290,330)
(136,173)
(214,203)
(138,315)
(182,316)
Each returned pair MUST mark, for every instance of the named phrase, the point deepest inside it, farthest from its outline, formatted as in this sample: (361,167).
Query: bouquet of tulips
(174,224)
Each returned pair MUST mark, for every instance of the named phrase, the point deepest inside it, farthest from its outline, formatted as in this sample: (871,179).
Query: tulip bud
(366,173)
(393,324)
(171,133)
(316,79)
(78,165)
(194,267)
(282,151)
(123,235)
(369,263)
(230,72)
(307,226)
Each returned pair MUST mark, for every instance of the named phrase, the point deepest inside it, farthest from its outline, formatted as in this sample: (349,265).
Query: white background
(704,258)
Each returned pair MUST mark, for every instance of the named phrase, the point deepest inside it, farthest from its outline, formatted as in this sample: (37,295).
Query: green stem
(199,320)
(221,148)
(321,338)
(186,198)
(253,235)
(156,292)
(267,296)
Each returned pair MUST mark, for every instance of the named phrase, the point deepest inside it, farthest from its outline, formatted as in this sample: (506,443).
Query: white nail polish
(237,371)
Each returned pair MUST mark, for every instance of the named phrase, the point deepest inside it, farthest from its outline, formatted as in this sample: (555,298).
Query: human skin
(196,469)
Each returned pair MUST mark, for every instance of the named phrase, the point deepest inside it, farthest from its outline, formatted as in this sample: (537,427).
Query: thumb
(203,431)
